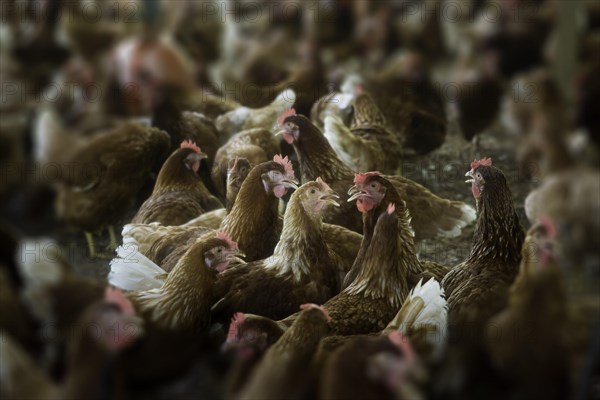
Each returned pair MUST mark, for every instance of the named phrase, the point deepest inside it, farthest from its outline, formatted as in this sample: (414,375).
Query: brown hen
(179,194)
(302,268)
(108,171)
(367,145)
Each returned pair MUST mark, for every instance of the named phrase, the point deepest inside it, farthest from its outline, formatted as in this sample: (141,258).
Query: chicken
(373,194)
(179,195)
(495,253)
(410,102)
(102,178)
(374,368)
(477,289)
(536,319)
(282,370)
(257,145)
(92,353)
(478,96)
(171,305)
(244,118)
(302,267)
(571,198)
(431,216)
(332,104)
(367,145)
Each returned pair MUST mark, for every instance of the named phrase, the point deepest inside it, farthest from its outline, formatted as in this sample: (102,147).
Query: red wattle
(475,190)
(279,191)
(288,138)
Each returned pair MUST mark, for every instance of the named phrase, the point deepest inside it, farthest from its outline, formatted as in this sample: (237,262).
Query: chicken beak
(355,193)
(231,256)
(234,254)
(290,183)
(470,175)
(353,190)
(330,198)
(281,132)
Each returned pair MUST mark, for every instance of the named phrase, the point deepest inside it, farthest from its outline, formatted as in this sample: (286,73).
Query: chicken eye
(250,337)
(478,175)
(374,185)
(312,191)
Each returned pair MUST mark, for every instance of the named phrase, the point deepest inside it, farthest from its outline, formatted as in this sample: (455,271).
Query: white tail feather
(432,316)
(435,311)
(131,270)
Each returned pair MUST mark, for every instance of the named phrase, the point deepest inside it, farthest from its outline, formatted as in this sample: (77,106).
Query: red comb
(362,176)
(487,162)
(391,208)
(288,112)
(287,165)
(234,327)
(322,183)
(547,222)
(308,306)
(113,295)
(224,236)
(402,343)
(188,144)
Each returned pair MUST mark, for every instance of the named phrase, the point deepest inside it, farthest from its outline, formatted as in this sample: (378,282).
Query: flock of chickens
(269,241)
